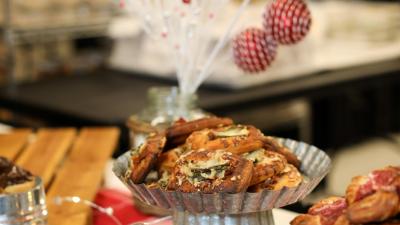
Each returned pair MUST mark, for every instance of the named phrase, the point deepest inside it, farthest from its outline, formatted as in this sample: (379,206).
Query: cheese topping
(163,181)
(259,156)
(232,132)
(214,168)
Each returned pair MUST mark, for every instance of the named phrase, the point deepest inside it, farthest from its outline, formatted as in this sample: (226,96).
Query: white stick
(206,72)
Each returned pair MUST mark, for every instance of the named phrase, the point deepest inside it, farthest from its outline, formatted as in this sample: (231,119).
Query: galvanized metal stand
(257,218)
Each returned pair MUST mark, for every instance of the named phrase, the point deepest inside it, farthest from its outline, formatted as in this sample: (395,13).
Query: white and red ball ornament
(254,50)
(288,21)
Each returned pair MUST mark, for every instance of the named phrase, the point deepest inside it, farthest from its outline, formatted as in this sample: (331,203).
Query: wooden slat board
(44,154)
(81,174)
(12,143)
(69,163)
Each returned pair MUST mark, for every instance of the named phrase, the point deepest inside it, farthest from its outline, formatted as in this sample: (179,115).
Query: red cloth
(122,205)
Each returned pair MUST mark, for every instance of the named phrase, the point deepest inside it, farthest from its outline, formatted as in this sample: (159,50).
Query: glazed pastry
(210,171)
(145,157)
(179,131)
(272,144)
(14,179)
(237,139)
(266,164)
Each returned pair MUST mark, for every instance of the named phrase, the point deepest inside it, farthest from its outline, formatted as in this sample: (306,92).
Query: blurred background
(88,62)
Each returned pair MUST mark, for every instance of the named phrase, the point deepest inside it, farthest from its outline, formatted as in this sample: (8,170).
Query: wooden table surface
(69,161)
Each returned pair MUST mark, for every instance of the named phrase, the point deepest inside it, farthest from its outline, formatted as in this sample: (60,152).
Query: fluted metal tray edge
(315,165)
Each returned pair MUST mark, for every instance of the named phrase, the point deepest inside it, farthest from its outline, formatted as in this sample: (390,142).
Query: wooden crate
(70,161)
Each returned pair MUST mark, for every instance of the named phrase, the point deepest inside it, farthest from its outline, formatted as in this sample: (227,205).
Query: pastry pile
(212,155)
(14,179)
(372,199)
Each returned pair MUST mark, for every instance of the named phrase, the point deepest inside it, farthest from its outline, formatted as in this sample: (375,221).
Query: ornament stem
(205,72)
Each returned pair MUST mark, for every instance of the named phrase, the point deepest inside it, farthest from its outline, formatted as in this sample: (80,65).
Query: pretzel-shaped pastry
(237,139)
(272,144)
(266,164)
(211,171)
(144,158)
(177,133)
(289,177)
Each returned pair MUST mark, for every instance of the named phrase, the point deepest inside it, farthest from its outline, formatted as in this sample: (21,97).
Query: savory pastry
(360,186)
(382,179)
(266,164)
(237,139)
(165,166)
(168,159)
(325,212)
(145,157)
(271,144)
(179,131)
(210,171)
(375,197)
(290,177)
(376,207)
(14,179)
(306,219)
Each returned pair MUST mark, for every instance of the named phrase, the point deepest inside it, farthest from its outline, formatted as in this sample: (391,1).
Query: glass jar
(164,106)
(25,208)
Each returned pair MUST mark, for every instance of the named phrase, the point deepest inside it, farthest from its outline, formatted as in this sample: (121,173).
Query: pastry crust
(387,179)
(266,164)
(289,177)
(329,211)
(168,159)
(342,220)
(359,187)
(374,208)
(209,171)
(145,157)
(306,219)
(271,144)
(18,188)
(182,129)
(237,139)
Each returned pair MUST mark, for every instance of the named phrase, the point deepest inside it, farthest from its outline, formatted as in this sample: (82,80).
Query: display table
(69,161)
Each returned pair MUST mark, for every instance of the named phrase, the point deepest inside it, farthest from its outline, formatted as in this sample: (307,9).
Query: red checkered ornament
(288,21)
(254,50)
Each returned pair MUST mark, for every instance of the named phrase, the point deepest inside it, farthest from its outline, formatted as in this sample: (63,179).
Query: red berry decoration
(186,1)
(288,21)
(254,50)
